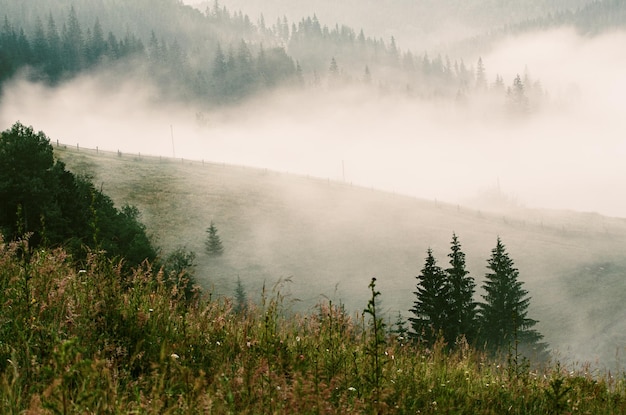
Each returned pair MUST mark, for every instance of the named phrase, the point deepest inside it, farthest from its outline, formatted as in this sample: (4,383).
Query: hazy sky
(570,155)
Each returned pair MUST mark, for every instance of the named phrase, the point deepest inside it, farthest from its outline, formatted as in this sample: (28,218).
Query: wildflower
(175,356)
(352,389)
(298,339)
(218,343)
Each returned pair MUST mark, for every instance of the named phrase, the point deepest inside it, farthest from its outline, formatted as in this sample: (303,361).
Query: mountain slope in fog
(330,238)
(419,25)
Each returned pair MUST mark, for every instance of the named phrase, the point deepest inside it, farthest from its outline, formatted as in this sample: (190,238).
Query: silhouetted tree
(461,317)
(430,308)
(504,314)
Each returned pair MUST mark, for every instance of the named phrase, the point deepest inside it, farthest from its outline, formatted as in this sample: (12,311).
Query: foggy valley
(332,176)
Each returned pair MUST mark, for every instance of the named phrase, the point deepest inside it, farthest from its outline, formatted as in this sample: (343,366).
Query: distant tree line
(591,19)
(52,54)
(213,74)
(217,57)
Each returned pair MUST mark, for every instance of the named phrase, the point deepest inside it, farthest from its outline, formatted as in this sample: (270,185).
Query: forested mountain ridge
(595,18)
(172,44)
(215,56)
(418,25)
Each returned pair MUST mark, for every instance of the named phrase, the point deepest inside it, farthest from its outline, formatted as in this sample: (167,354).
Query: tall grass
(96,340)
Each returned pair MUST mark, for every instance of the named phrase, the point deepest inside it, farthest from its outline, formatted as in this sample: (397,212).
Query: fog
(566,155)
(417,25)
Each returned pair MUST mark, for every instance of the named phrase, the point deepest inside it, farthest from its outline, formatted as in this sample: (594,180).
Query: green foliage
(178,270)
(399,329)
(27,173)
(81,342)
(40,198)
(431,305)
(213,243)
(504,321)
(444,309)
(461,313)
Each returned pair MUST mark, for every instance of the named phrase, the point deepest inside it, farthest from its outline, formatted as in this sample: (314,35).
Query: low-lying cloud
(567,155)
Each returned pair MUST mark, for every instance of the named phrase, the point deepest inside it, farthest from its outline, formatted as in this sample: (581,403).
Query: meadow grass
(331,237)
(94,340)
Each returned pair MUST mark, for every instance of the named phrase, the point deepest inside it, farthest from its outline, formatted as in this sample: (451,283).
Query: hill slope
(330,238)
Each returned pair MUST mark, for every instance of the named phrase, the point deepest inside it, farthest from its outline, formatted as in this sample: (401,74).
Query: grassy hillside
(94,341)
(330,238)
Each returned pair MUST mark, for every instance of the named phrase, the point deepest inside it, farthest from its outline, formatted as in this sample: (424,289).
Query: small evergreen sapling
(213,243)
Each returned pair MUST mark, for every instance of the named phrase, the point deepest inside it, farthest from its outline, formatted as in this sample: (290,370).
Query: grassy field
(329,238)
(97,341)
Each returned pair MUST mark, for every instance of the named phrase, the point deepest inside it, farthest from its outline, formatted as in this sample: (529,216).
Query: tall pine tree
(461,320)
(503,317)
(431,306)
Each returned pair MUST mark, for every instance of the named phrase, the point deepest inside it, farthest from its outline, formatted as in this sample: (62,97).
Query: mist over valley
(349,163)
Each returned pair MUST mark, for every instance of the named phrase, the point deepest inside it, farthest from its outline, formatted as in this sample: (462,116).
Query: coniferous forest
(221,56)
(102,313)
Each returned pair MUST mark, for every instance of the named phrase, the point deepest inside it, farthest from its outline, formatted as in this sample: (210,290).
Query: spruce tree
(213,243)
(430,308)
(503,317)
(241,298)
(461,318)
